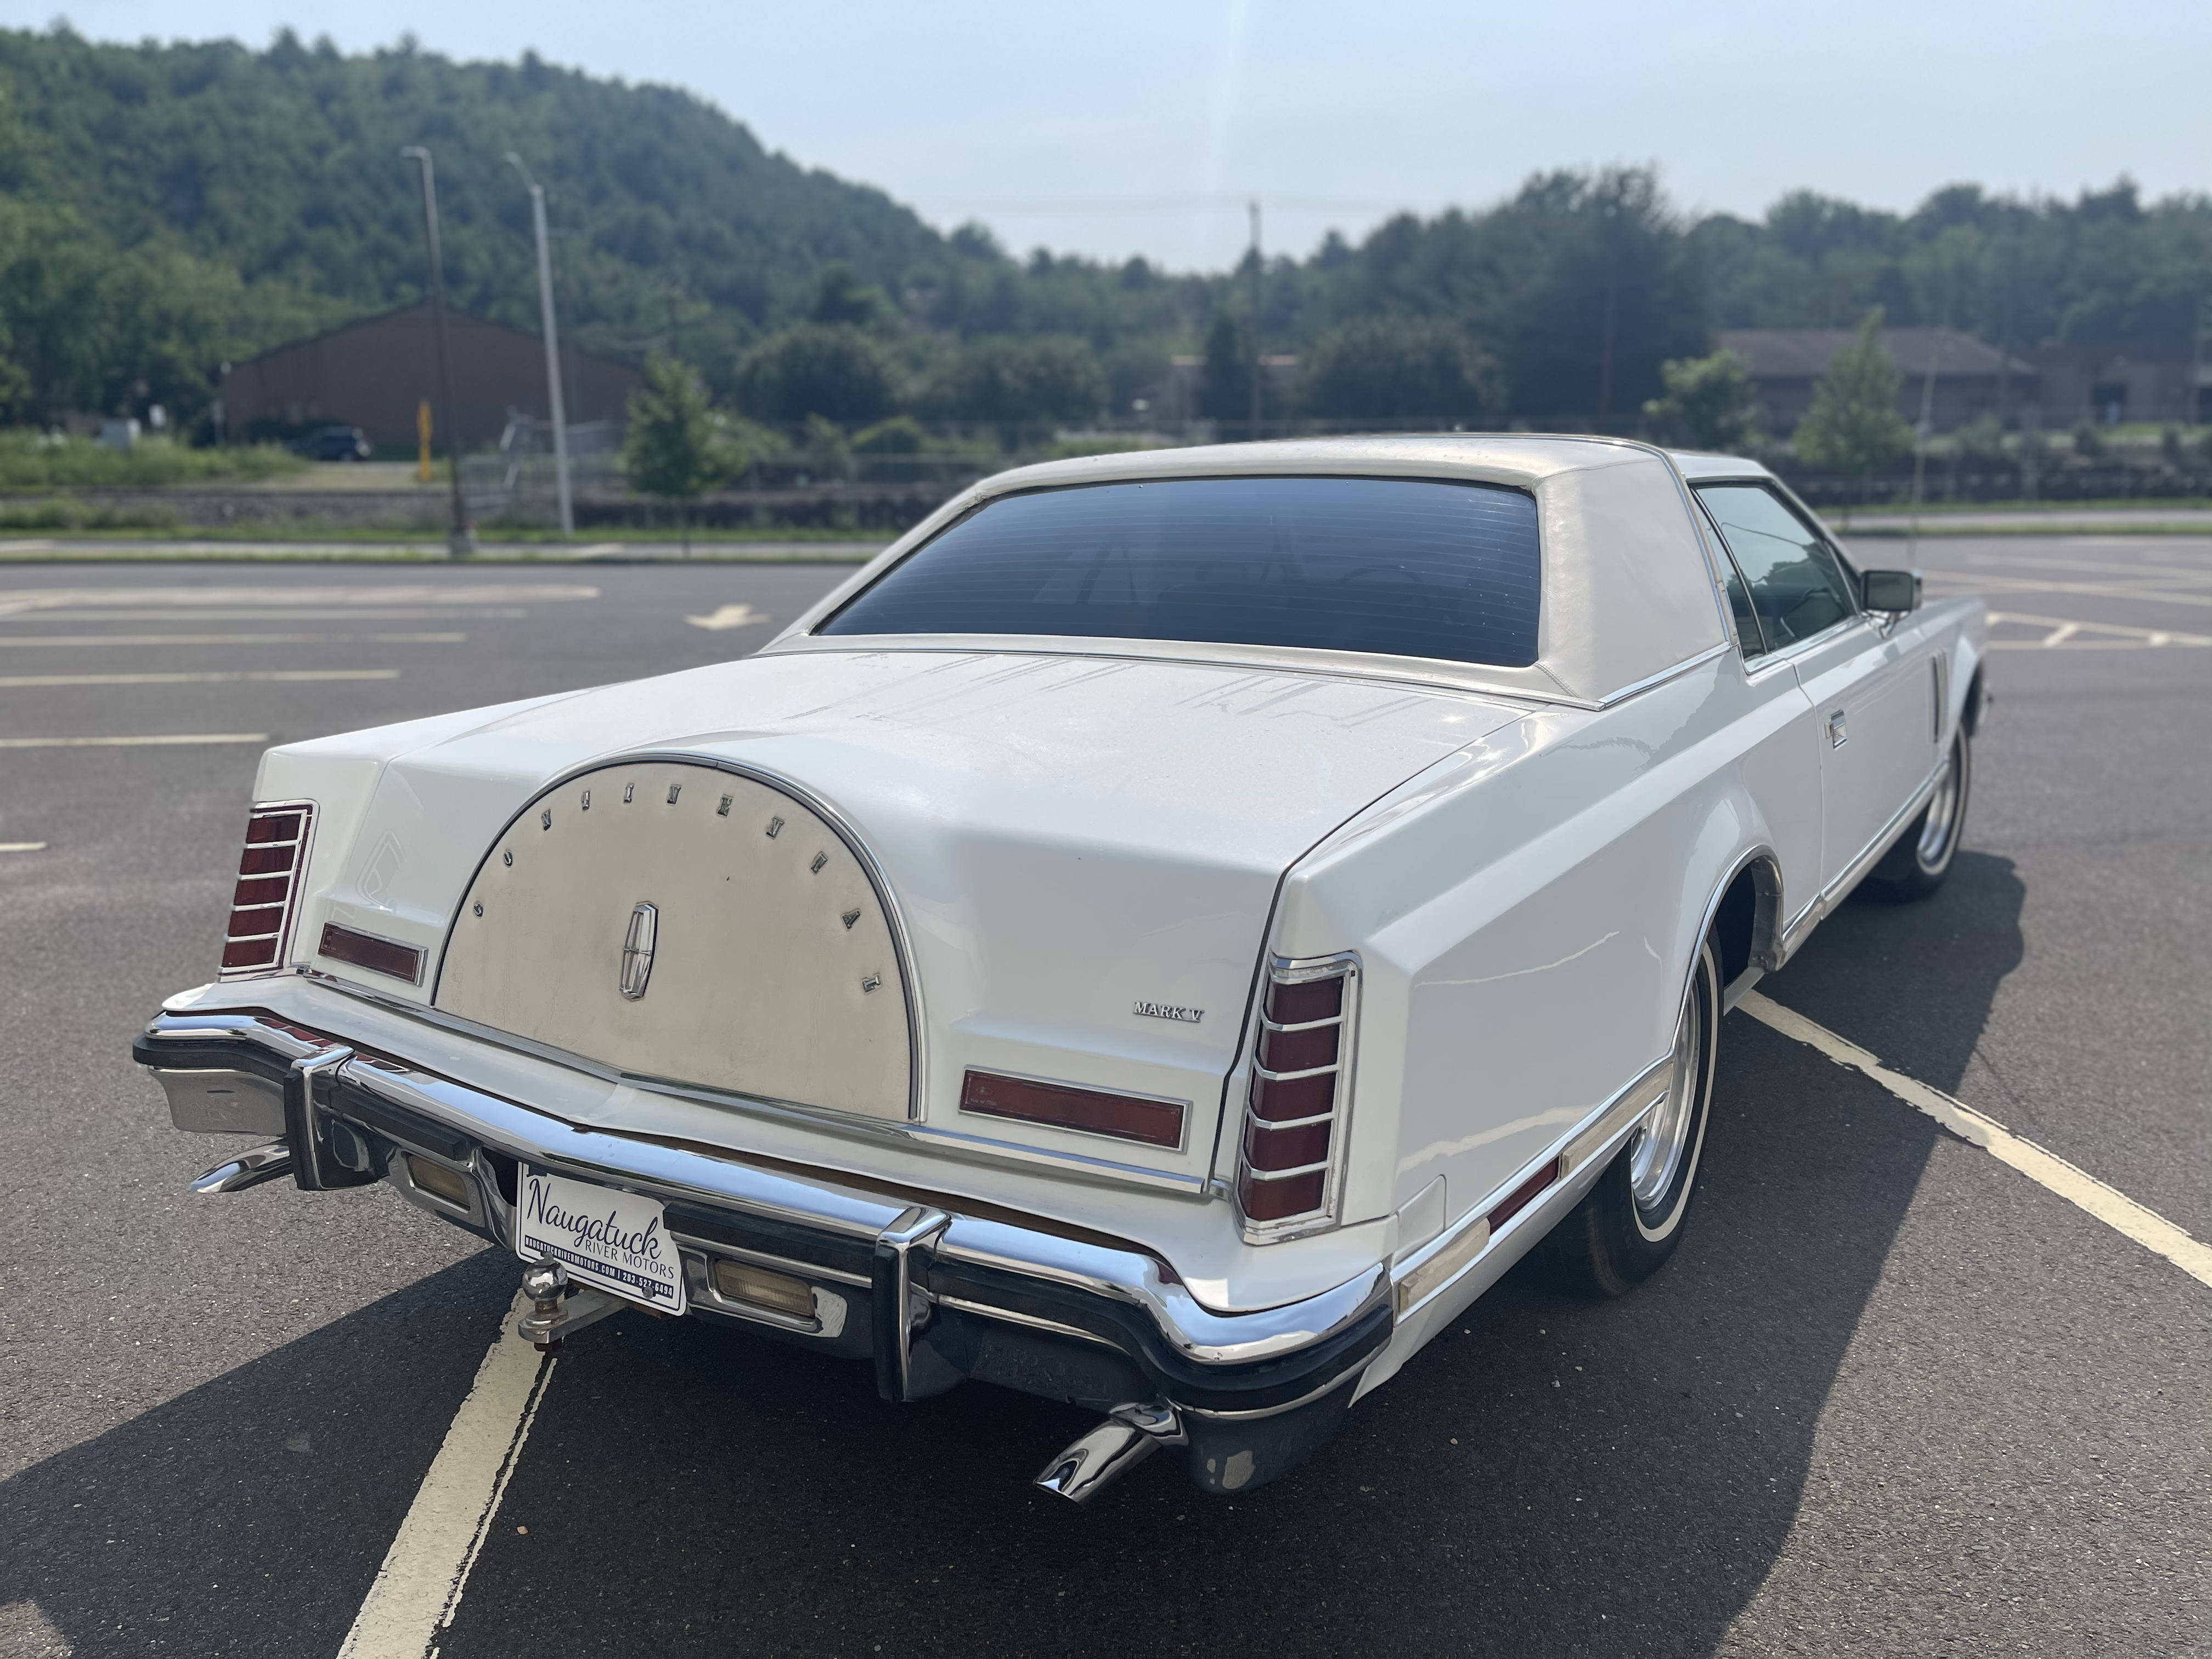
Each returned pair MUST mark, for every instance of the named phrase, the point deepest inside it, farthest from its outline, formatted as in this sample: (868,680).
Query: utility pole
(552,348)
(2192,413)
(462,542)
(1920,430)
(1256,318)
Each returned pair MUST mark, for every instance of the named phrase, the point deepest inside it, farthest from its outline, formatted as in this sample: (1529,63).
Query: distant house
(376,372)
(1972,378)
(2129,382)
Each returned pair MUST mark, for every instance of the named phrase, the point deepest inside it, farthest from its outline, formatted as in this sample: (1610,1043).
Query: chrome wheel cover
(1942,818)
(1655,1158)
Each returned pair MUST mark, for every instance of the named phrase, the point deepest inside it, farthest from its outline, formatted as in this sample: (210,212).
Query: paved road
(1890,1397)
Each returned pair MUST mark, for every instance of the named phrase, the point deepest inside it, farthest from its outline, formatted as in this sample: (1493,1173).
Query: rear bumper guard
(946,1295)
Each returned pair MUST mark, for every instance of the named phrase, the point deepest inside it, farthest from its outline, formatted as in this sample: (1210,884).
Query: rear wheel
(1916,866)
(1630,1221)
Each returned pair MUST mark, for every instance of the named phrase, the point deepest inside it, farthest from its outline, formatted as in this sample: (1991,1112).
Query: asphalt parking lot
(1890,1397)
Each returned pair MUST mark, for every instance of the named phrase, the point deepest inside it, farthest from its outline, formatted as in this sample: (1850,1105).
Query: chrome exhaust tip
(1096,1460)
(270,1162)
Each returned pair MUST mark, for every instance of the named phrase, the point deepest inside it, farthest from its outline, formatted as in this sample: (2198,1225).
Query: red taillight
(269,871)
(1293,1110)
(1125,1117)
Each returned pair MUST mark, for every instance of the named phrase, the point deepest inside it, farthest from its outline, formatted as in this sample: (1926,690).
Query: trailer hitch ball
(545,1283)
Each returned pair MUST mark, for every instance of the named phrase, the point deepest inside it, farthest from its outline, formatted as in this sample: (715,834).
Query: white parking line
(22,846)
(262,595)
(2046,1168)
(134,742)
(216,616)
(418,1587)
(729,615)
(2065,632)
(202,679)
(1980,581)
(232,639)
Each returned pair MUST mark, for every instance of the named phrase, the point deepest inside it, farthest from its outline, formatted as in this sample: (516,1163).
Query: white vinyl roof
(1628,590)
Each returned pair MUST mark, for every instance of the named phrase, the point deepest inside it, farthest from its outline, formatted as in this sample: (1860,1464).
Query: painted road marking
(418,1587)
(133,743)
(263,595)
(217,615)
(1977,581)
(232,639)
(202,679)
(22,846)
(730,616)
(2065,631)
(2046,1168)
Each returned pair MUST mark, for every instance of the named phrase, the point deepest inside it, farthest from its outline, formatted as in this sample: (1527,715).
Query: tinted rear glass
(1402,567)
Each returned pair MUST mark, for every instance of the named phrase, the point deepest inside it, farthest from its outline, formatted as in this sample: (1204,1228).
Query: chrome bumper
(931,1294)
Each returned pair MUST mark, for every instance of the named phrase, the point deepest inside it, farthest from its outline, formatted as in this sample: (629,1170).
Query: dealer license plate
(616,1242)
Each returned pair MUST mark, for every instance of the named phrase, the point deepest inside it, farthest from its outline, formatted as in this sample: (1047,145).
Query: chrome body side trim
(1430,1271)
(1801,925)
(1651,682)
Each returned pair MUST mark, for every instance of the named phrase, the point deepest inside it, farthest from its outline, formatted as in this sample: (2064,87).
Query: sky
(1145,128)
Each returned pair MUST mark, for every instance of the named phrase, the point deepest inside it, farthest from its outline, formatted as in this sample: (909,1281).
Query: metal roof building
(376,372)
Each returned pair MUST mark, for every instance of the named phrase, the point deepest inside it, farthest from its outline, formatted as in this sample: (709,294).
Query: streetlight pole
(462,542)
(552,348)
(1256,269)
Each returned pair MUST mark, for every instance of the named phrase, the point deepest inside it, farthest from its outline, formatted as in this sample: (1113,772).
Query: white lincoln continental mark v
(1166,936)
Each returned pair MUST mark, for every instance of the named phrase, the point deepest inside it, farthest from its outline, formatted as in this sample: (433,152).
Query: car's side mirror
(1890,590)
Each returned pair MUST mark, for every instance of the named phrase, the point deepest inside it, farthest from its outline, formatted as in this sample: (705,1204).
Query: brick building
(375,373)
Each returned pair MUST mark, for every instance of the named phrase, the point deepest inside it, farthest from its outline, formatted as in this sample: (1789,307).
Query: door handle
(1837,737)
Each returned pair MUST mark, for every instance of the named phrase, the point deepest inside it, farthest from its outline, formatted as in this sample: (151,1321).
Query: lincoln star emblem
(637,951)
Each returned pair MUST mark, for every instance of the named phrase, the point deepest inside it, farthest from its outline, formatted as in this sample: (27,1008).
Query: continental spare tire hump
(686,924)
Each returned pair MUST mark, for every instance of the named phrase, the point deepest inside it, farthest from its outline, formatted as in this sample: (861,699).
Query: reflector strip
(379,955)
(1125,1117)
(1523,1195)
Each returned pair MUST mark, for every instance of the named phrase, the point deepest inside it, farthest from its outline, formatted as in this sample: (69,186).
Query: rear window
(1400,567)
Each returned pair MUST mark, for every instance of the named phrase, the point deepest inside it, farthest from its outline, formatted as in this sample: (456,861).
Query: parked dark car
(336,443)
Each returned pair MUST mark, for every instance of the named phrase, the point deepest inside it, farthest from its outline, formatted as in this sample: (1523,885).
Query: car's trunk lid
(1082,854)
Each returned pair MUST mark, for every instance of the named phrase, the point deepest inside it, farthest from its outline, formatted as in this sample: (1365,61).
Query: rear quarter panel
(1526,913)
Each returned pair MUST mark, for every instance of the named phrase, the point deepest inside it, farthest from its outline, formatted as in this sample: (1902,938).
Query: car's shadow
(1553,1477)
(248,1515)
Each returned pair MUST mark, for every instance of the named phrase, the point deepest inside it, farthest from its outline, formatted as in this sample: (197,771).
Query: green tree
(674,448)
(1378,367)
(833,370)
(1011,382)
(1853,425)
(839,296)
(1224,379)
(1708,404)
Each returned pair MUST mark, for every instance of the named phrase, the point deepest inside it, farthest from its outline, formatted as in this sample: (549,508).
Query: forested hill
(166,209)
(282,169)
